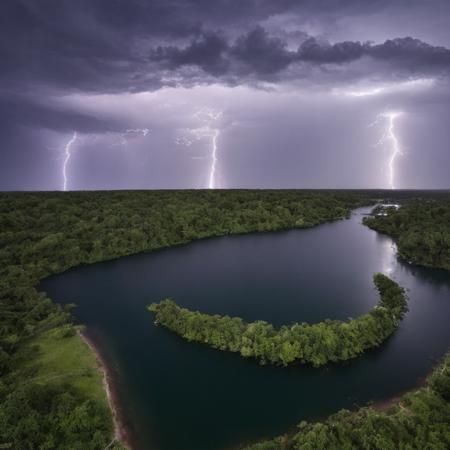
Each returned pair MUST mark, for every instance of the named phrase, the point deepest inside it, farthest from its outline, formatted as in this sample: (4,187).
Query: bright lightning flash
(395,146)
(212,173)
(208,117)
(68,154)
(389,135)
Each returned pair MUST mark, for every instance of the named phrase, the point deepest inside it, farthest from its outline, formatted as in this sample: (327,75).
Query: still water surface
(181,395)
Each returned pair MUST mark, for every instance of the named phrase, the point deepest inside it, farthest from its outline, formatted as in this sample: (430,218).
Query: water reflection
(388,250)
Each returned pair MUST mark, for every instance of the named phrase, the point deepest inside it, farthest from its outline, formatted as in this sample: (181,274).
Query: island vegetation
(317,344)
(48,399)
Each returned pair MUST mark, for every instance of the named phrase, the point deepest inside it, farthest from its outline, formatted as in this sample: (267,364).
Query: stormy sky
(131,94)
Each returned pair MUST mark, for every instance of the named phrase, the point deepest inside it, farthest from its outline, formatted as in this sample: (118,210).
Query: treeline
(317,344)
(421,420)
(421,230)
(53,416)
(45,233)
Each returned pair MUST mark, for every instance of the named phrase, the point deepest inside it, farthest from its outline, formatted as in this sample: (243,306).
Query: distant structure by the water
(382,208)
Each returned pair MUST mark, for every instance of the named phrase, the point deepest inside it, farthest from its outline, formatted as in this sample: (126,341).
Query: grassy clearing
(60,356)
(58,401)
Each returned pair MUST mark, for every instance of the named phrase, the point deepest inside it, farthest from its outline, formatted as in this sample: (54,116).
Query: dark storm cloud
(323,53)
(411,52)
(95,45)
(261,52)
(138,45)
(256,50)
(89,45)
(56,56)
(401,53)
(205,51)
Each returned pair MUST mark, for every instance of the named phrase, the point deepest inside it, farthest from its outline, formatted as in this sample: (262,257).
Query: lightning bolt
(207,117)
(390,136)
(395,146)
(68,154)
(212,173)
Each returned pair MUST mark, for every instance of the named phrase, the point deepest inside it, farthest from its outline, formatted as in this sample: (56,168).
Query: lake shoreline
(121,430)
(421,382)
(135,270)
(379,405)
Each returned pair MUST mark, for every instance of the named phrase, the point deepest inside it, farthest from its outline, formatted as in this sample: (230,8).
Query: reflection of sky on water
(388,254)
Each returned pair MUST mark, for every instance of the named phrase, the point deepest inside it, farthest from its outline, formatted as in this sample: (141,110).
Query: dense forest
(51,396)
(317,344)
(421,230)
(48,400)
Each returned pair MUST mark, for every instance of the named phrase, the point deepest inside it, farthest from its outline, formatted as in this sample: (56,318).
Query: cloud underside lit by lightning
(133,133)
(68,154)
(399,87)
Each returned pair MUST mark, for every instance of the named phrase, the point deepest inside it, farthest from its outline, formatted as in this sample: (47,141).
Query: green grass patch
(60,356)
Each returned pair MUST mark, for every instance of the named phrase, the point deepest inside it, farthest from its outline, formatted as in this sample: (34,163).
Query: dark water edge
(121,429)
(180,395)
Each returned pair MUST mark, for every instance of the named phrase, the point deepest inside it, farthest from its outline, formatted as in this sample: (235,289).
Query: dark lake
(181,395)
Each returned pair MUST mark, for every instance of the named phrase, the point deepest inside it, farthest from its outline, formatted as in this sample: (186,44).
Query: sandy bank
(121,432)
